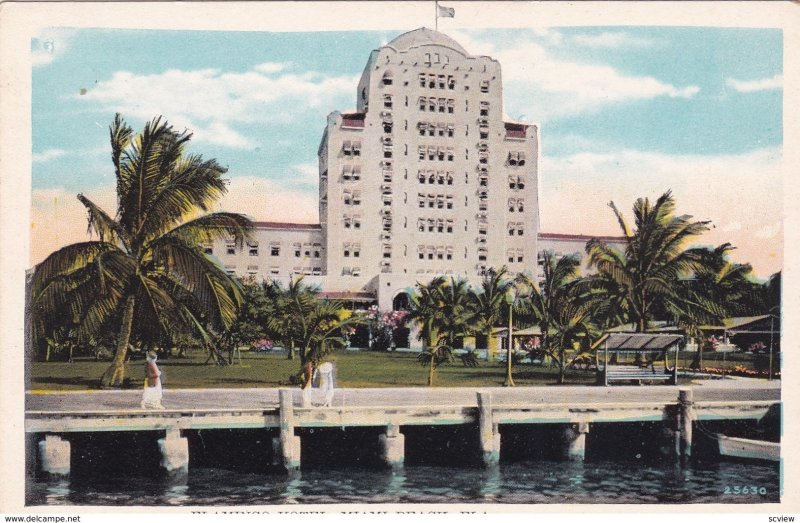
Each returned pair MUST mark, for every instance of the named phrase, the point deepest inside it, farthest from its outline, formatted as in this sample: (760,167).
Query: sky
(624,112)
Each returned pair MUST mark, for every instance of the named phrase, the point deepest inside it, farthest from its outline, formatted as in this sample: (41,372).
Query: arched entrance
(401,335)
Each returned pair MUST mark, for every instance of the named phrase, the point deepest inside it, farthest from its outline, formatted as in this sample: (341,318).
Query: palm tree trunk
(115,374)
(291,350)
(430,371)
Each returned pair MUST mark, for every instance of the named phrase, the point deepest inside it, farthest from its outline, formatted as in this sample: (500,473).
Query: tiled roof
(578,237)
(284,225)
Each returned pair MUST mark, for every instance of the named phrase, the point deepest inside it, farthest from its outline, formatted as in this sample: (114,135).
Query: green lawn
(354,369)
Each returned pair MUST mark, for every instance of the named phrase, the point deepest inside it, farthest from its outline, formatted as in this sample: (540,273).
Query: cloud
(49,44)
(46,156)
(744,210)
(212,103)
(611,40)
(549,86)
(271,67)
(751,86)
(270,200)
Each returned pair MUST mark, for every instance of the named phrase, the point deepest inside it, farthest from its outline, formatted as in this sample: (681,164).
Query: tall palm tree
(489,301)
(563,306)
(146,275)
(643,277)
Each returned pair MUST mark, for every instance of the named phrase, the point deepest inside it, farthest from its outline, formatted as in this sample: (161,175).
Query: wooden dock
(282,410)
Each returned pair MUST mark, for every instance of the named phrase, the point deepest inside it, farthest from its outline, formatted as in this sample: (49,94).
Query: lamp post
(511,296)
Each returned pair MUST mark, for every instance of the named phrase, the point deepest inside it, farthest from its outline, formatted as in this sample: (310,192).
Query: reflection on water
(526,482)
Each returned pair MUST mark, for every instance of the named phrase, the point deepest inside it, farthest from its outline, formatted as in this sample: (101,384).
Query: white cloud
(272,67)
(548,86)
(49,44)
(270,200)
(305,174)
(46,156)
(211,102)
(612,40)
(744,210)
(750,86)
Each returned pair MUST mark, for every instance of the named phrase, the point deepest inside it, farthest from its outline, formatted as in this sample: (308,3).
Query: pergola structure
(637,357)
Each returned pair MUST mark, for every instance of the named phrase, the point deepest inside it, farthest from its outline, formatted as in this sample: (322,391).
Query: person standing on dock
(151,398)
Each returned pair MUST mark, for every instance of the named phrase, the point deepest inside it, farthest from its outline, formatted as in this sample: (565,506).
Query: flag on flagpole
(446,12)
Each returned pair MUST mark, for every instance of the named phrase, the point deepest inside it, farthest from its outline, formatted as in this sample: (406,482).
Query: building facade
(425,178)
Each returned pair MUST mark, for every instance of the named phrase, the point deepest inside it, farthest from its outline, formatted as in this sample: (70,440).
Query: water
(531,482)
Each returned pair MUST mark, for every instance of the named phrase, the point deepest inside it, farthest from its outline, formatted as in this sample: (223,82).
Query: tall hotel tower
(426,178)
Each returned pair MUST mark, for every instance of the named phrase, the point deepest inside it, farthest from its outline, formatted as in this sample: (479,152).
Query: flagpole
(436,7)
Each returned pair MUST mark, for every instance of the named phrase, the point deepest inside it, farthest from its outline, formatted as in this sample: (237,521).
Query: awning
(637,342)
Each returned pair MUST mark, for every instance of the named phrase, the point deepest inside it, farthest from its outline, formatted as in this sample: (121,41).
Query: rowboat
(749,448)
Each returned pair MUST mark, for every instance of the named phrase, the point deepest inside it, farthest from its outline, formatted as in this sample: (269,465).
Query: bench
(634,373)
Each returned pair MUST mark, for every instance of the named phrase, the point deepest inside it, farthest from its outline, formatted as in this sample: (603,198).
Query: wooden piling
(685,419)
(393,451)
(54,455)
(290,444)
(575,441)
(488,429)
(174,452)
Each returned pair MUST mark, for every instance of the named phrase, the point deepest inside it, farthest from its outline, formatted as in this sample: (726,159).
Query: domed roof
(424,36)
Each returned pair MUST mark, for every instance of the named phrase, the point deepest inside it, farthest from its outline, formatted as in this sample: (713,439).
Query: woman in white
(151,398)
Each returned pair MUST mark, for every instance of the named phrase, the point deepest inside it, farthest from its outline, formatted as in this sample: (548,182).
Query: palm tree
(444,311)
(563,306)
(146,275)
(304,322)
(288,304)
(644,276)
(489,301)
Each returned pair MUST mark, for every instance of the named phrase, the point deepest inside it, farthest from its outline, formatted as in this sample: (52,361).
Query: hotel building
(425,178)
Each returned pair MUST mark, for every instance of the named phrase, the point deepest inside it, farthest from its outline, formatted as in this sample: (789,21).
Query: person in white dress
(151,398)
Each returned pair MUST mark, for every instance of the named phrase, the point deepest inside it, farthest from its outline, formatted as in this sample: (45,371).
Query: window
(356,175)
(484,109)
(298,247)
(387,78)
(516,158)
(387,101)
(451,83)
(422,80)
(442,80)
(356,222)
(449,201)
(421,176)
(432,105)
(356,197)
(484,86)
(274,251)
(512,182)
(432,81)
(316,253)
(274,270)
(512,205)
(450,154)
(510,255)
(316,271)
(252,249)
(520,205)
(450,226)
(356,148)
(442,105)
(421,225)
(421,201)
(356,271)
(451,130)
(451,106)
(422,151)
(423,103)
(422,127)
(347,148)
(230,247)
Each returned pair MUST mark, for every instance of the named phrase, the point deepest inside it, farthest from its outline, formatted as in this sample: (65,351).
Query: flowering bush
(383,324)
(262,344)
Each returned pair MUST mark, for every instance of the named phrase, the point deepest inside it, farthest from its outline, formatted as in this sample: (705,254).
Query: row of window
(438,201)
(444,105)
(276,271)
(352,197)
(435,225)
(432,177)
(516,205)
(433,252)
(515,255)
(351,148)
(436,128)
(432,153)
(432,81)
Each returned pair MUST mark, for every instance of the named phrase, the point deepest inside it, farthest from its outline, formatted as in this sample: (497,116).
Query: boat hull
(749,448)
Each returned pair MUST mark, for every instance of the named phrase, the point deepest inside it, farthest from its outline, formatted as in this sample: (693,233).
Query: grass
(354,369)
